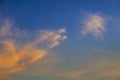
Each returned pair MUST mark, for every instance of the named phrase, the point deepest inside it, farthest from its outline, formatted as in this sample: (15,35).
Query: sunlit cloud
(94,24)
(16,55)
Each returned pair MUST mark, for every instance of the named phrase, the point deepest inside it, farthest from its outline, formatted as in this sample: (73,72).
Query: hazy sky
(59,39)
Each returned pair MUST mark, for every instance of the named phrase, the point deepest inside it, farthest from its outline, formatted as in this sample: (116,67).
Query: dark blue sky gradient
(54,13)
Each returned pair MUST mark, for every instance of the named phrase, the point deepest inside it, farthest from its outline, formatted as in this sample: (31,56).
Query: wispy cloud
(101,69)
(104,67)
(94,24)
(5,26)
(16,55)
(53,38)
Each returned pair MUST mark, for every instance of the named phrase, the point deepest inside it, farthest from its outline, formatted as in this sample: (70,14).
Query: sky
(59,40)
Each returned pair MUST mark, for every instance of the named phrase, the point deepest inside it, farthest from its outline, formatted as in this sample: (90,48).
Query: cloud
(14,59)
(5,26)
(53,38)
(17,54)
(45,66)
(94,24)
(106,69)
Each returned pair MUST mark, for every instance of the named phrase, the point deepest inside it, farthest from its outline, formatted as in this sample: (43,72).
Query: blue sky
(59,39)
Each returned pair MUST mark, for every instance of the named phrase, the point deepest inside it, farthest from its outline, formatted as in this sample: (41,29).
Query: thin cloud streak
(100,69)
(53,38)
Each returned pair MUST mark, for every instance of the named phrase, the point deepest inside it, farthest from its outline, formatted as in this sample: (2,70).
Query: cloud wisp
(53,38)
(16,56)
(106,69)
(94,24)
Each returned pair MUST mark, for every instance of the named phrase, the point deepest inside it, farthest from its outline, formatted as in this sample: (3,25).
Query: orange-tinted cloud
(16,56)
(14,59)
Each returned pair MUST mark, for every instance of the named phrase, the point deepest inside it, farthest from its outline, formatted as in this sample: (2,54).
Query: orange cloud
(16,56)
(14,59)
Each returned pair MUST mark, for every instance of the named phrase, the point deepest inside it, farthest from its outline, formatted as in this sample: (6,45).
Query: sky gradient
(59,40)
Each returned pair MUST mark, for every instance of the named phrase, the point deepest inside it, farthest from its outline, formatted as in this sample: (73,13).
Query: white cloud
(94,24)
(53,38)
